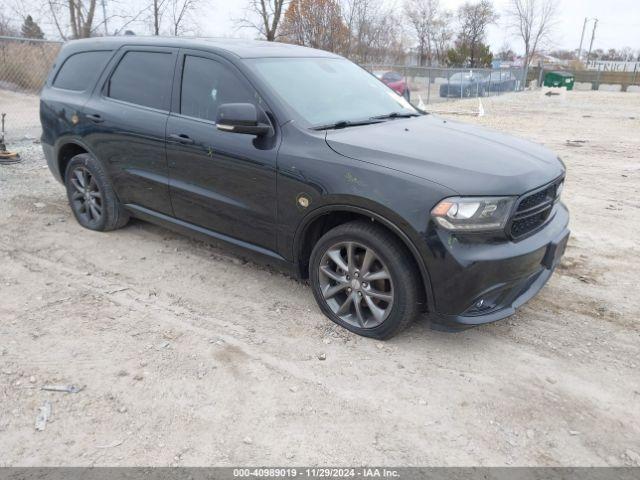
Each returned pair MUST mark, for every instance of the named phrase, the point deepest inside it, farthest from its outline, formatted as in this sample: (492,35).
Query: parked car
(501,81)
(464,84)
(301,158)
(395,81)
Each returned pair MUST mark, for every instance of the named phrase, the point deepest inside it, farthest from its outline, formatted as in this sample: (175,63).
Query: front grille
(537,198)
(533,210)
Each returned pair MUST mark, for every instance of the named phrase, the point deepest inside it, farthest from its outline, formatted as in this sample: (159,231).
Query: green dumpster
(559,79)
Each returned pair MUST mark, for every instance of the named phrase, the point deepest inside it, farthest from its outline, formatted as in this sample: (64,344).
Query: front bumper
(482,282)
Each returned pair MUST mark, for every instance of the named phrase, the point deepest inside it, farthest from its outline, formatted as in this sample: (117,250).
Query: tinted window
(207,84)
(79,71)
(143,78)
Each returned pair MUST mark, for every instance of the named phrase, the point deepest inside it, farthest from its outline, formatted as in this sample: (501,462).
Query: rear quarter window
(80,70)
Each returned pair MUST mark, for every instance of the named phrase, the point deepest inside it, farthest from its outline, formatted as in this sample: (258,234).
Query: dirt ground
(191,356)
(22,121)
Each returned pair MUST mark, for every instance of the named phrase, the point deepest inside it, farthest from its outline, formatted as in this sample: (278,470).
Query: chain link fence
(599,79)
(24,66)
(429,85)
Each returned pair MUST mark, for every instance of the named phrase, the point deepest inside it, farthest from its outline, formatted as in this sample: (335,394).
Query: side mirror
(240,118)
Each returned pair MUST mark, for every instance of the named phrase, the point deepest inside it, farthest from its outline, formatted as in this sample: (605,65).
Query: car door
(222,181)
(129,112)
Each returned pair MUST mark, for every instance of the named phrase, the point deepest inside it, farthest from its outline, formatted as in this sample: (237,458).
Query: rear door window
(143,78)
(81,70)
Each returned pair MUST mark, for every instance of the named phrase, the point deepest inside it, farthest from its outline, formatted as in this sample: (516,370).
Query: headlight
(473,214)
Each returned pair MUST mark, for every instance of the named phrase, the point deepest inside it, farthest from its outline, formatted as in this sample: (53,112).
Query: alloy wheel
(356,284)
(86,197)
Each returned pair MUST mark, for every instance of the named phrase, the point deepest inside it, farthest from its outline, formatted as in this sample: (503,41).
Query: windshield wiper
(395,115)
(347,123)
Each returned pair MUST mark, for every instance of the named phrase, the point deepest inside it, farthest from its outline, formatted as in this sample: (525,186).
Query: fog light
(482,305)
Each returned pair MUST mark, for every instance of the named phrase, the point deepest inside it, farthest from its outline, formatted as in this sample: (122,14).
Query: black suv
(304,158)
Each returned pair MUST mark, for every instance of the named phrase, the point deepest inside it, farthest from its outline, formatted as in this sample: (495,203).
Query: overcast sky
(618,26)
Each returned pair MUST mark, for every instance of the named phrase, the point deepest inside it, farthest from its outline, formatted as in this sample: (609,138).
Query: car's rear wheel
(364,279)
(91,196)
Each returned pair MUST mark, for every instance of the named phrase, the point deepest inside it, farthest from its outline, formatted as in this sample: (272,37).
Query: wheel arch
(66,149)
(327,217)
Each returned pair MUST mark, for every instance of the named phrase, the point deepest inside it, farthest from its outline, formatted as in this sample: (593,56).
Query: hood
(468,159)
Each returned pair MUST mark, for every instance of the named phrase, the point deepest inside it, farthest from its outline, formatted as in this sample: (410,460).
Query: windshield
(329,90)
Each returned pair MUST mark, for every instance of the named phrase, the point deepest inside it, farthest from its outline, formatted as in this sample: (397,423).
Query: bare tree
(474,19)
(157,10)
(80,15)
(179,11)
(6,28)
(533,21)
(421,15)
(268,14)
(442,35)
(127,18)
(506,54)
(372,28)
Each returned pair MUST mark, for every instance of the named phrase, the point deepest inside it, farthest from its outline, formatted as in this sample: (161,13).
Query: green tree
(474,19)
(465,55)
(30,29)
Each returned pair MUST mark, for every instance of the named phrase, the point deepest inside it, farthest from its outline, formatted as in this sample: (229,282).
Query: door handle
(181,138)
(95,118)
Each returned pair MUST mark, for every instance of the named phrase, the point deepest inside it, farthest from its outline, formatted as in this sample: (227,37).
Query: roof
(237,47)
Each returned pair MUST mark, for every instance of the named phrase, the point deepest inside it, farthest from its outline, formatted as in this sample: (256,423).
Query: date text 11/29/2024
(365,472)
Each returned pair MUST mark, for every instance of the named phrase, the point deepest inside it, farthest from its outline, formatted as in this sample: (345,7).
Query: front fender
(409,237)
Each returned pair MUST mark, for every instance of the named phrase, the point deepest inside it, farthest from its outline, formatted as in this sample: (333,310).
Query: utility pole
(593,35)
(584,27)
(156,25)
(104,16)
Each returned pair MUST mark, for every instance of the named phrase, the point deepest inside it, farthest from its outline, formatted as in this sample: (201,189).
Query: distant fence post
(541,75)
(429,87)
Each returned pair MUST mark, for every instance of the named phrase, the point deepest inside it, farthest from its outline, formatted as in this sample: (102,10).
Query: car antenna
(6,157)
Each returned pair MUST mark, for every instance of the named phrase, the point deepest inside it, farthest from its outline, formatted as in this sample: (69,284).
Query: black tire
(96,195)
(394,259)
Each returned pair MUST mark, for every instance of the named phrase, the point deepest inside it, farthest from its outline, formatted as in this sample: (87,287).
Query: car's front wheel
(364,279)
(91,196)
